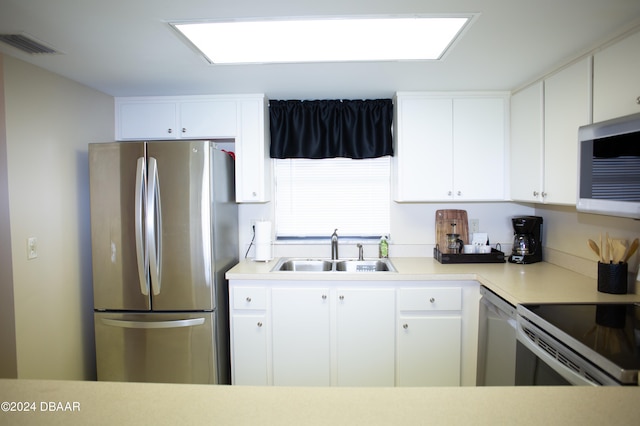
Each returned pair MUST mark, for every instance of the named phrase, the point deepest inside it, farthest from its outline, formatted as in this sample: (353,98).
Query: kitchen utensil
(601,249)
(454,243)
(594,246)
(618,249)
(444,218)
(631,251)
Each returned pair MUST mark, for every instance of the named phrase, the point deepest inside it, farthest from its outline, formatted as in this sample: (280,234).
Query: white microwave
(609,167)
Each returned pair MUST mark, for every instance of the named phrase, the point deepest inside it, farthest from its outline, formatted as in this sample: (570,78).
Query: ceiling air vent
(26,44)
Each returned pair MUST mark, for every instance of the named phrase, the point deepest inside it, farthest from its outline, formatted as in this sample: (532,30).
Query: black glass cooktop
(611,330)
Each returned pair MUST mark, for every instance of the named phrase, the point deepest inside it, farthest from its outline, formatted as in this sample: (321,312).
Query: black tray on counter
(496,256)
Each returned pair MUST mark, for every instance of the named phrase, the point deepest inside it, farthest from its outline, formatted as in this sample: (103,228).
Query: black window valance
(331,128)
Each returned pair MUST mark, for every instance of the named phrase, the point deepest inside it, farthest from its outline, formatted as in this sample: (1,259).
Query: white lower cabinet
(249,335)
(341,333)
(301,336)
(250,342)
(365,337)
(429,336)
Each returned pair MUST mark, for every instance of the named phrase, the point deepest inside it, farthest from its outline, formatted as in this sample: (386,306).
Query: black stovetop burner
(611,330)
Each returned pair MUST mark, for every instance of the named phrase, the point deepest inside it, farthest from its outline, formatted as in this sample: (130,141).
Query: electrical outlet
(474,225)
(32,248)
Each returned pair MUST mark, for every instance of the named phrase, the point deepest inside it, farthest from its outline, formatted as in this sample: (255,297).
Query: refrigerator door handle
(154,227)
(141,242)
(153,324)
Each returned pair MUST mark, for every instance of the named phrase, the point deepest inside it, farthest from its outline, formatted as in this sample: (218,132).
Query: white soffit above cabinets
(333,39)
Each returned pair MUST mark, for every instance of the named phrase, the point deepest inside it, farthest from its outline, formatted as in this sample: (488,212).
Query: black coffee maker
(527,243)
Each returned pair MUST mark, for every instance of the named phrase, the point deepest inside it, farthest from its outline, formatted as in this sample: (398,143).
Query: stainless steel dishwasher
(496,341)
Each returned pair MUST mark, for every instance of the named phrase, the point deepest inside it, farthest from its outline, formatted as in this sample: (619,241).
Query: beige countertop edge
(102,403)
(535,283)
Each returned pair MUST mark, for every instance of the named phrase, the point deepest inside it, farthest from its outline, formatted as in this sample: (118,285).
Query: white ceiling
(126,47)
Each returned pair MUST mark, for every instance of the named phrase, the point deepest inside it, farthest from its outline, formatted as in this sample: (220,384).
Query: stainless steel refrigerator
(164,228)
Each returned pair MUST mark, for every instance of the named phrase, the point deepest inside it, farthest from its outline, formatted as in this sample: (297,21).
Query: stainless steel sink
(308,265)
(365,266)
(323,265)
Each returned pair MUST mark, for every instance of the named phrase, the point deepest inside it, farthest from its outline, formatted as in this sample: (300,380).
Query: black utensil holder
(612,277)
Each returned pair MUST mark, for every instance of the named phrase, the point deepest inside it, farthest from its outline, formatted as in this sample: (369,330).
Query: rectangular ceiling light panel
(324,40)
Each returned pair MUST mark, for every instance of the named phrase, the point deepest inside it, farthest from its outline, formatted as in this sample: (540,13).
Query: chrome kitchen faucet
(334,245)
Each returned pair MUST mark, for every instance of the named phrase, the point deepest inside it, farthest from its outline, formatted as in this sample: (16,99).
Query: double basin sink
(324,265)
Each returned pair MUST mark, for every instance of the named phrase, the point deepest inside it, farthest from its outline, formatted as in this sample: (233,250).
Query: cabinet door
(429,351)
(567,106)
(479,149)
(301,337)
(616,80)
(365,337)
(527,134)
(249,349)
(147,120)
(253,164)
(208,119)
(424,149)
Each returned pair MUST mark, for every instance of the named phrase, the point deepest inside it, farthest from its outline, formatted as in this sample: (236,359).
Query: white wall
(412,229)
(49,121)
(565,232)
(8,366)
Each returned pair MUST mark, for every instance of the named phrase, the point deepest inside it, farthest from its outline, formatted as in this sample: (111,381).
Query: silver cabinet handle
(638,100)
(184,130)
(259,324)
(450,193)
(535,193)
(544,194)
(405,326)
(341,297)
(153,324)
(432,300)
(169,130)
(459,193)
(248,299)
(324,297)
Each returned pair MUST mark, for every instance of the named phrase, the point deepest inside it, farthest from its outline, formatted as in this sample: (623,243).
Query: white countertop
(535,283)
(109,403)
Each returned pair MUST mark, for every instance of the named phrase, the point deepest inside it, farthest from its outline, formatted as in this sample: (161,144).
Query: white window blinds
(314,197)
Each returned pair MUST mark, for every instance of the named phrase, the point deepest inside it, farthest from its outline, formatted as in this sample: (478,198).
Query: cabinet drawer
(430,299)
(250,298)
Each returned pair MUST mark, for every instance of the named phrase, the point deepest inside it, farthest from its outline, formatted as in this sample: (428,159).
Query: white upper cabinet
(175,118)
(567,106)
(544,135)
(253,164)
(479,144)
(423,161)
(616,79)
(146,119)
(449,147)
(208,118)
(527,135)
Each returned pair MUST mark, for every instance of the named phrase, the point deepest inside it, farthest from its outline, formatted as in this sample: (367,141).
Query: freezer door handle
(153,324)
(141,243)
(154,227)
